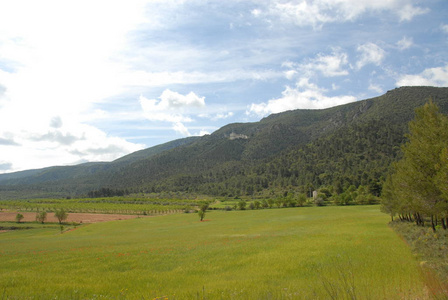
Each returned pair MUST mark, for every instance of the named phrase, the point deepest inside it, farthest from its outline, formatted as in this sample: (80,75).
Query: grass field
(296,253)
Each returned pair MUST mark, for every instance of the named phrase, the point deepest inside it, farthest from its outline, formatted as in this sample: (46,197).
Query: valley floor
(292,253)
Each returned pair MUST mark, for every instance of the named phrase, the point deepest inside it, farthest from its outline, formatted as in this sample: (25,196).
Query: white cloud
(370,53)
(68,144)
(56,65)
(376,88)
(444,28)
(329,65)
(429,77)
(180,128)
(408,12)
(319,12)
(290,74)
(203,132)
(164,78)
(405,43)
(222,116)
(5,166)
(256,12)
(305,96)
(172,106)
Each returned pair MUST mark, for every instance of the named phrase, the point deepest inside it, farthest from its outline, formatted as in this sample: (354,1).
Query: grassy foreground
(297,253)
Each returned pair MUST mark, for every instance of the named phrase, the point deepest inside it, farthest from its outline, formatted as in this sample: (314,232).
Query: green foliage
(242,204)
(124,205)
(415,189)
(201,214)
(301,199)
(61,215)
(432,250)
(41,217)
(202,210)
(19,218)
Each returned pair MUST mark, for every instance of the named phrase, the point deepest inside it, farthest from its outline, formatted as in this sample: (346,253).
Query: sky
(87,80)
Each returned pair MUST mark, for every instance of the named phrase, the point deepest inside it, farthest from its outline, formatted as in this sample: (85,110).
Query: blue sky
(94,80)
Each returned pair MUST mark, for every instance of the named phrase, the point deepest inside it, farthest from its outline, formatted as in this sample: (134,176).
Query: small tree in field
(61,215)
(202,210)
(41,217)
(201,214)
(19,218)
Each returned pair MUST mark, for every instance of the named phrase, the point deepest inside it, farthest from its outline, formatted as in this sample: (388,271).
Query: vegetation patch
(431,249)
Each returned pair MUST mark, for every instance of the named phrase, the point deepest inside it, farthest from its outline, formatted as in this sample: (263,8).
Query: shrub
(41,217)
(242,205)
(61,215)
(19,218)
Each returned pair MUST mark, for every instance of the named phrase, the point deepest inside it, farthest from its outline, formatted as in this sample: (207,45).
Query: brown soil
(72,217)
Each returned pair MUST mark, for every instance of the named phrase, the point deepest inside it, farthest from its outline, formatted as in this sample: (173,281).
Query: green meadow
(295,253)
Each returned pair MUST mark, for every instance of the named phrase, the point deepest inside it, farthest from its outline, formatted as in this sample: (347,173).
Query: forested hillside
(301,150)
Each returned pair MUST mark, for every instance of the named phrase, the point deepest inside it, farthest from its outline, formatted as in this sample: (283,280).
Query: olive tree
(41,217)
(61,215)
(19,218)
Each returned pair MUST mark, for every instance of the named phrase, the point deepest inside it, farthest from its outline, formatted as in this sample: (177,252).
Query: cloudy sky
(94,80)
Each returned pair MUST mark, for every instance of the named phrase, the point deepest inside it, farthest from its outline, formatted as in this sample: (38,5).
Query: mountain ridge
(247,153)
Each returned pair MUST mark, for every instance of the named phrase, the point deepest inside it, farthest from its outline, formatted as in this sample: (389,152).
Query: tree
(61,215)
(242,204)
(417,184)
(41,217)
(442,183)
(202,209)
(19,217)
(389,200)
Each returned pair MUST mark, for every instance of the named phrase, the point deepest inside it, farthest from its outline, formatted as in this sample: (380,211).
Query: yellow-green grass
(296,253)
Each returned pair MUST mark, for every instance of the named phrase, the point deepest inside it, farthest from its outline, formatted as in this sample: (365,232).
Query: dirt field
(72,217)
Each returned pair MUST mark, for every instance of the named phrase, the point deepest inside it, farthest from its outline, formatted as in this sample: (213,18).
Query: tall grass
(297,253)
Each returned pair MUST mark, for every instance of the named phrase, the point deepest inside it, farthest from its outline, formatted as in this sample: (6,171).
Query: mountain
(352,144)
(73,180)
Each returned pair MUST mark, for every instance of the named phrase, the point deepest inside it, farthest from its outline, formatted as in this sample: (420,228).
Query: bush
(242,205)
(19,217)
(61,215)
(301,199)
(41,217)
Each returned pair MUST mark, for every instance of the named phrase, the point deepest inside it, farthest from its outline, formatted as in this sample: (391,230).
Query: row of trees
(417,188)
(41,217)
(107,192)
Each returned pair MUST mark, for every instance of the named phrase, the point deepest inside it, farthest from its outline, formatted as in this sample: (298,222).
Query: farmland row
(118,205)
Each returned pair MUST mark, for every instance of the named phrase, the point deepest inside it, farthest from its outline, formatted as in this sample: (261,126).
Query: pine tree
(418,182)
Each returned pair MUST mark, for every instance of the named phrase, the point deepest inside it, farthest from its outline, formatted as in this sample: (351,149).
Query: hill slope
(352,144)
